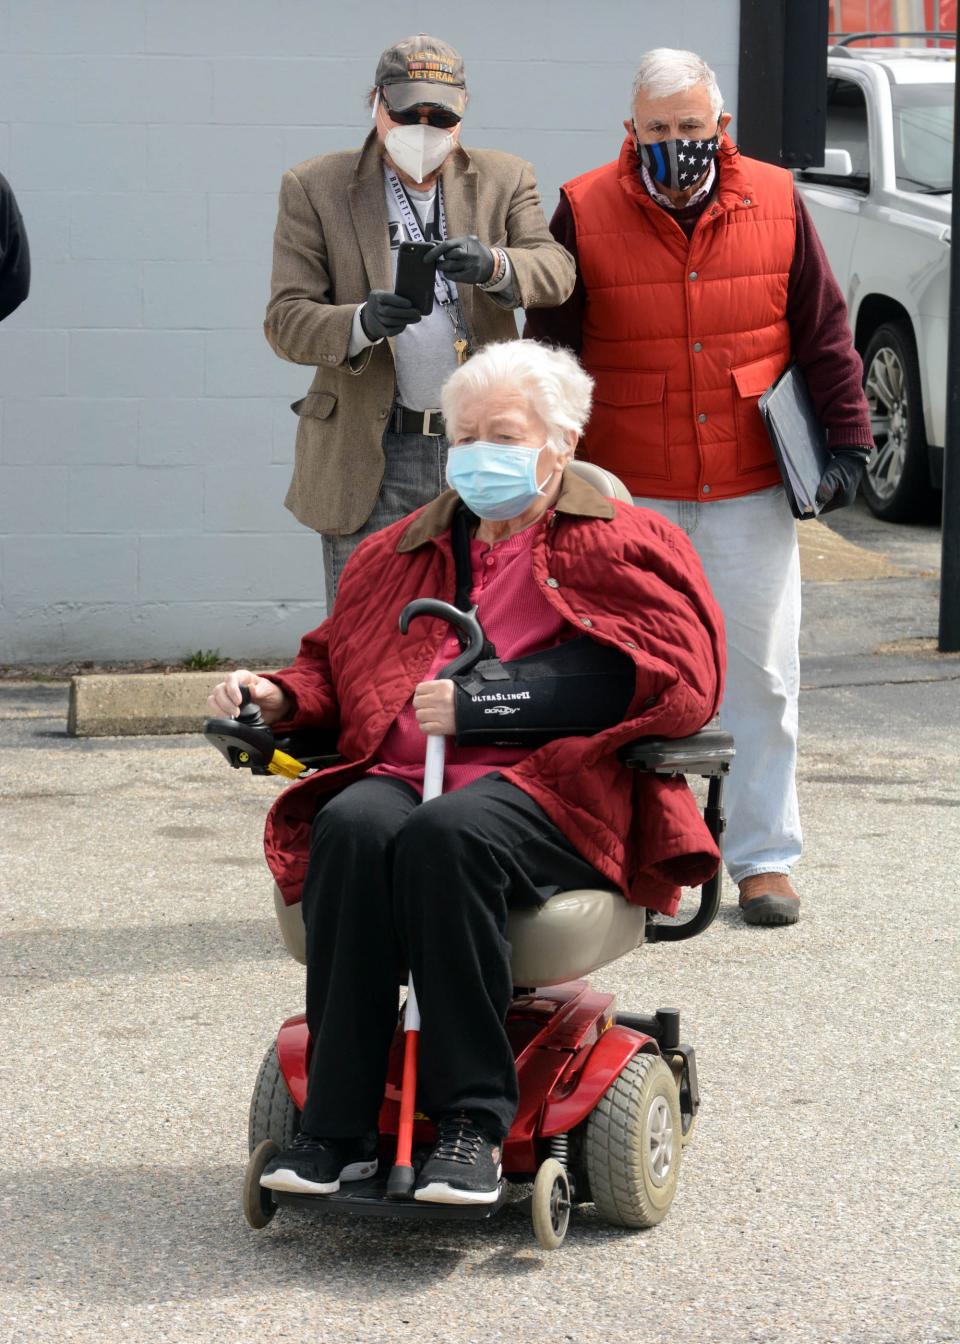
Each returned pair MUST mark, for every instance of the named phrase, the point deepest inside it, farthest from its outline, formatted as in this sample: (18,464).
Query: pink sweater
(517,619)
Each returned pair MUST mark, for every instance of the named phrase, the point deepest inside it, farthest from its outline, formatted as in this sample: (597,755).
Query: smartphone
(414,277)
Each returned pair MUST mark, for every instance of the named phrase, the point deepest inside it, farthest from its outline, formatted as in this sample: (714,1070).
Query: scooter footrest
(369,1199)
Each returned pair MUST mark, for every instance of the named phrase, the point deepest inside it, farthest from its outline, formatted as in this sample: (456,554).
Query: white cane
(400,1182)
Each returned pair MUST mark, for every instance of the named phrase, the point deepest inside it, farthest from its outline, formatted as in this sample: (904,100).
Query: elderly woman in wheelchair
(599,630)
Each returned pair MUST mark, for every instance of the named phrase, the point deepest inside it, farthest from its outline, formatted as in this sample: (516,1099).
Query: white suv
(881,204)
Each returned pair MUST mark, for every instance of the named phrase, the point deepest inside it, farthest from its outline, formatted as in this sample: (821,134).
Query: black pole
(950,556)
(760,97)
(782,103)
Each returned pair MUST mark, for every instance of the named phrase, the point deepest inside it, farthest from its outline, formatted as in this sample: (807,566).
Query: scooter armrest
(253,748)
(243,746)
(706,753)
(315,747)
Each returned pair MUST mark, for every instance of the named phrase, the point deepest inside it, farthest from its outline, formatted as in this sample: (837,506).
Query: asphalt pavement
(143,979)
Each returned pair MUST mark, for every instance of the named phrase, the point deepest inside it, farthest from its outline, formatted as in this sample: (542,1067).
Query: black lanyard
(445,292)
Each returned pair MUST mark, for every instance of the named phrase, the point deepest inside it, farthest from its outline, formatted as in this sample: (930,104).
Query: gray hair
(668,70)
(557,388)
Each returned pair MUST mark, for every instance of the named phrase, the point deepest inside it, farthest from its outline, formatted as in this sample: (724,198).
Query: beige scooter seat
(570,935)
(610,486)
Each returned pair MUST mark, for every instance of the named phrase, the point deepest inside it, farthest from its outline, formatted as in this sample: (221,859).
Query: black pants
(393,883)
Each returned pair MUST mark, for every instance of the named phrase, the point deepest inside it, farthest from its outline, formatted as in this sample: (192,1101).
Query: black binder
(798,440)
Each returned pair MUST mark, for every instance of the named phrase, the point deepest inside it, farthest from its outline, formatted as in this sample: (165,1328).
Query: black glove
(386,314)
(465,260)
(838,484)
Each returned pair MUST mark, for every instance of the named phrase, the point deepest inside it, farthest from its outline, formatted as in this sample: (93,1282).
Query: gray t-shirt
(424,351)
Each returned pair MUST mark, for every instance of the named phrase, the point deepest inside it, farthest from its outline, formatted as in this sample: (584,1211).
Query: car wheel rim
(886,392)
(659,1141)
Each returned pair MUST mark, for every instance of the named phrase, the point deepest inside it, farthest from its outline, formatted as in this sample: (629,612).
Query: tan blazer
(330,249)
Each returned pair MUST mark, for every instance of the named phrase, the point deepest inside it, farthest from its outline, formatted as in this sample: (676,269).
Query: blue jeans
(414,473)
(748,548)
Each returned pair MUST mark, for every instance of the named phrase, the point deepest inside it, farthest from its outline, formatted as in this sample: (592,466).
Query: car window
(847,129)
(847,123)
(923,137)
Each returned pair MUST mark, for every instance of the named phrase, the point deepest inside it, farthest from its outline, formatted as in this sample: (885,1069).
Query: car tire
(896,483)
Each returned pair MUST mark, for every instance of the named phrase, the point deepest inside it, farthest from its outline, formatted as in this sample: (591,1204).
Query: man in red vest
(700,276)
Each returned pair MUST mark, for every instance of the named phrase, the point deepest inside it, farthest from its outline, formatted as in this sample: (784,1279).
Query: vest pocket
(749,381)
(628,426)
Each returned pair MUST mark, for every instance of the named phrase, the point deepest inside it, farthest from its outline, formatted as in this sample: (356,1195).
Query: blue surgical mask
(495,480)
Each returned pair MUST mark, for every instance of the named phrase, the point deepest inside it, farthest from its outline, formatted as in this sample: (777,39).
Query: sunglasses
(436,116)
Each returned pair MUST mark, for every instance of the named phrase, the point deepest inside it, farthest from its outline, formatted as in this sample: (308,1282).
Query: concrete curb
(139,704)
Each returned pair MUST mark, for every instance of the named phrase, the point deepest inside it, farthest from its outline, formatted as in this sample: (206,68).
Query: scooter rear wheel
(676,1068)
(272,1112)
(634,1144)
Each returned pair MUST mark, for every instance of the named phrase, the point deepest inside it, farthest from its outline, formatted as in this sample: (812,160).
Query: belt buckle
(427,415)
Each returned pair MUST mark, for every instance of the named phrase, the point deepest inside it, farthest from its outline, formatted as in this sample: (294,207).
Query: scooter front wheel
(258,1202)
(550,1207)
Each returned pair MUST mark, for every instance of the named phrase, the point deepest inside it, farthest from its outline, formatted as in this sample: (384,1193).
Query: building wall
(146,435)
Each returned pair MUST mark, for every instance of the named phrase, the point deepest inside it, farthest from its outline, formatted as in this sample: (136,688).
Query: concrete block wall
(145,431)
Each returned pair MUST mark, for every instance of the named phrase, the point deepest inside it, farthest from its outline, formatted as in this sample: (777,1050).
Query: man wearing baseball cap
(370,441)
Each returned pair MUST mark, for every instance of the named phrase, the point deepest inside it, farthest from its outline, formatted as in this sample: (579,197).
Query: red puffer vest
(626,575)
(682,337)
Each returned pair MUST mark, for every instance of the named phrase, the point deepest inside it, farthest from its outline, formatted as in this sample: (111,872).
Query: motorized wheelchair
(608,1099)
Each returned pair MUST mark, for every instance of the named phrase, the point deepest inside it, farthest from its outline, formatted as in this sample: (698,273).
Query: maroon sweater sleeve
(822,342)
(563,325)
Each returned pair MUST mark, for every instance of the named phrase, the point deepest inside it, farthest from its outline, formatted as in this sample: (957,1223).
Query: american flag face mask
(678,164)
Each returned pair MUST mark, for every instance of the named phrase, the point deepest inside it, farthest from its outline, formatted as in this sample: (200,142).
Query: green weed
(203,660)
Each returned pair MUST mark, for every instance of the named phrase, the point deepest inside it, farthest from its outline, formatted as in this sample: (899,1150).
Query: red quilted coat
(629,578)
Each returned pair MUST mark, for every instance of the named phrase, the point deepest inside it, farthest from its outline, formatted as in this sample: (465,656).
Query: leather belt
(405,421)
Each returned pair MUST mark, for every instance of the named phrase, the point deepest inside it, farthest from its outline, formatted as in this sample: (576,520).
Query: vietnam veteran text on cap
(423,69)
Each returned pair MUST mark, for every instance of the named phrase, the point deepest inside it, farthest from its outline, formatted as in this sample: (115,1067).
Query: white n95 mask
(418,150)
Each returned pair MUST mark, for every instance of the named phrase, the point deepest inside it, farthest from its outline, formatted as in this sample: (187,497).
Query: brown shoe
(769,898)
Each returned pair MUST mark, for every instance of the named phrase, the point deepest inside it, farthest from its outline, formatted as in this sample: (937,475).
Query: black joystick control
(249,715)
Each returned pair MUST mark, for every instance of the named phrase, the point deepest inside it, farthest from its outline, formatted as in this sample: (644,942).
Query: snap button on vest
(702,418)
(694,275)
(706,489)
(586,621)
(697,346)
(552,583)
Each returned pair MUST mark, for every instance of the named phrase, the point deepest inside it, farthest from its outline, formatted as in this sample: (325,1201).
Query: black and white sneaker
(315,1166)
(464,1167)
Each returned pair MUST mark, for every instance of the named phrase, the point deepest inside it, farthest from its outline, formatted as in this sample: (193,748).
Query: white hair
(668,70)
(555,385)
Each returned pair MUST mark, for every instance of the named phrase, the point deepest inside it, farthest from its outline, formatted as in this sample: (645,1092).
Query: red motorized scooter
(608,1099)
